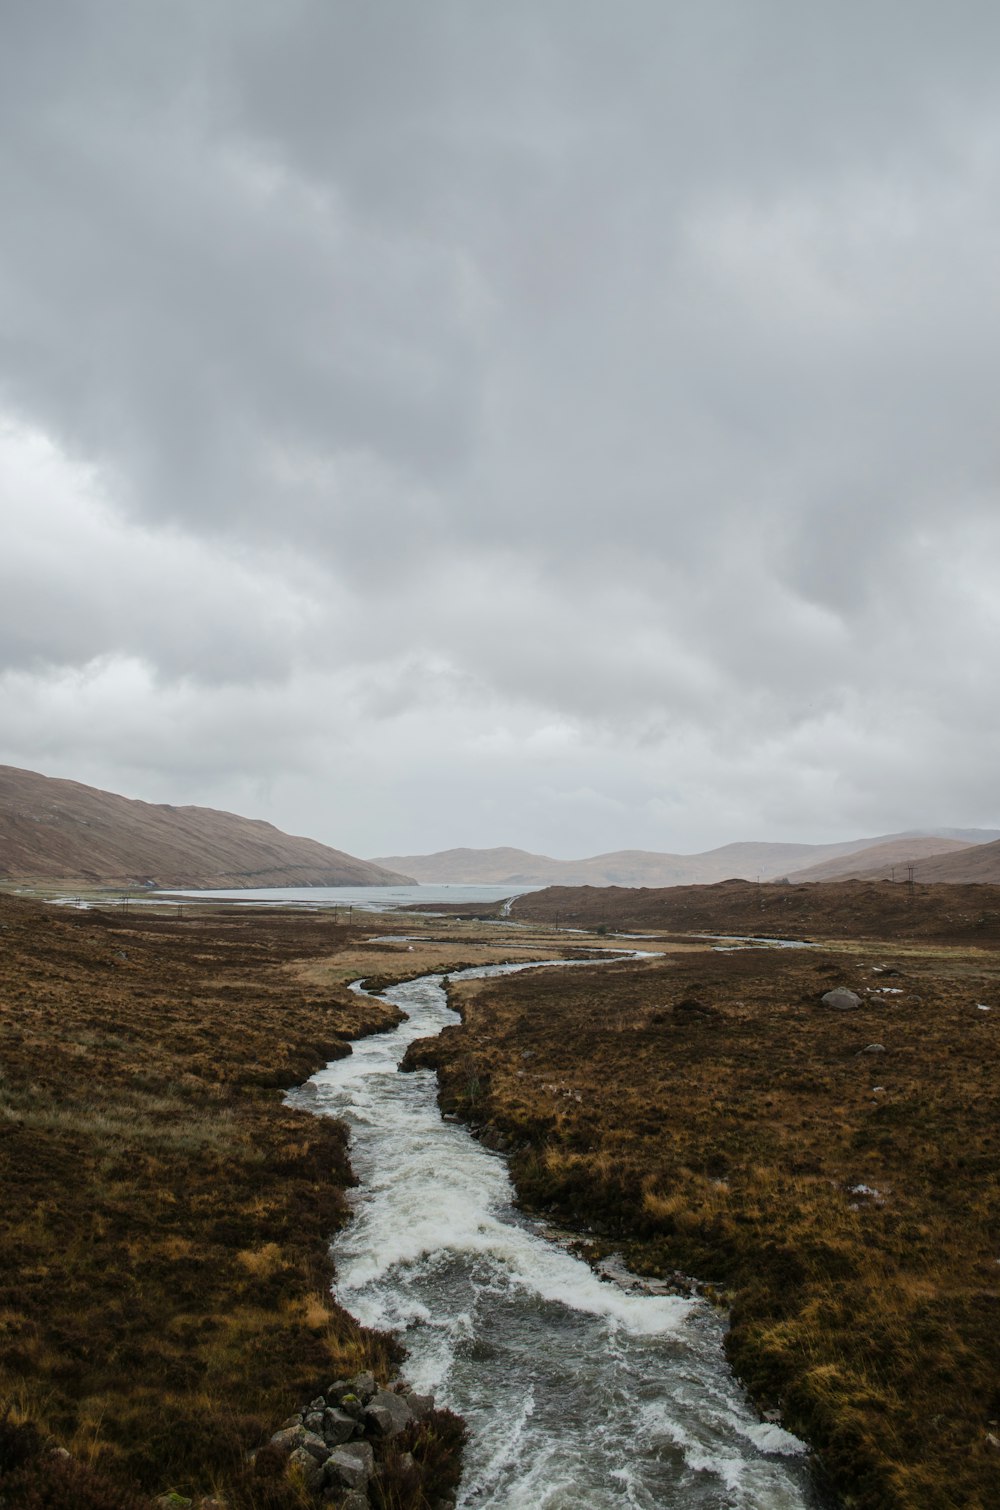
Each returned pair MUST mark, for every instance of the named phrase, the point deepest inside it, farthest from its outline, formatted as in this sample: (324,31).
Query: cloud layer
(552,424)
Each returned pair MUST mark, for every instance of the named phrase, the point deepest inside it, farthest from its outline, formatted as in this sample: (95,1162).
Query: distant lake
(364,898)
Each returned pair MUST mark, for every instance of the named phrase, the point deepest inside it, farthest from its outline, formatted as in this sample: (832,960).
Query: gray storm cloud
(553,424)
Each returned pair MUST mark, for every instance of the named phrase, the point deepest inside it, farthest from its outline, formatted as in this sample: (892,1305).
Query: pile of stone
(331,1446)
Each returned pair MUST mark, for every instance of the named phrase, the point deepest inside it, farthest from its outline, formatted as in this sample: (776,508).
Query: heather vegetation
(164,1278)
(956,914)
(832,1175)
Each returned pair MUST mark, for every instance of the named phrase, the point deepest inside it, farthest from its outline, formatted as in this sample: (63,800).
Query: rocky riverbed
(357,1443)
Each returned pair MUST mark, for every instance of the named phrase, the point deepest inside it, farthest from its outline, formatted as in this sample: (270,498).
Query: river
(579,1393)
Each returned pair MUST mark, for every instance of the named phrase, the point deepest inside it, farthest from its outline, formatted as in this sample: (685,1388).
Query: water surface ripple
(577,1392)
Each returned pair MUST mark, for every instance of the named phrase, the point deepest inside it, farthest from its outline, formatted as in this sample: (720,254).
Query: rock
(387,1414)
(420,1405)
(874,1048)
(337,1427)
(288,1438)
(350,1466)
(292,1421)
(841,1000)
(337,1389)
(314,1421)
(303,1466)
(364,1386)
(292,1438)
(313,1444)
(355,1499)
(318,1404)
(351,1405)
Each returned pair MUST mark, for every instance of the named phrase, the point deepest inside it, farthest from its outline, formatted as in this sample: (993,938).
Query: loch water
(578,1392)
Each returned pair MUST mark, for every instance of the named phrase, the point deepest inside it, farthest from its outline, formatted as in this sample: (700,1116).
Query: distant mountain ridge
(889,860)
(748,861)
(974,863)
(55,830)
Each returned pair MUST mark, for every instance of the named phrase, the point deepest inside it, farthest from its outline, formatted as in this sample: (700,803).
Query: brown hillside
(63,831)
(702,1112)
(624,867)
(165,1294)
(980,864)
(888,861)
(843,909)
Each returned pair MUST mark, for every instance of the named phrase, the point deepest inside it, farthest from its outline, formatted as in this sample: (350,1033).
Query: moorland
(832,1174)
(829,1177)
(164,1273)
(53,830)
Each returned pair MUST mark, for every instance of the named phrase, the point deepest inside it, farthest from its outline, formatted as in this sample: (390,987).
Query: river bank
(833,1173)
(576,1391)
(164,1271)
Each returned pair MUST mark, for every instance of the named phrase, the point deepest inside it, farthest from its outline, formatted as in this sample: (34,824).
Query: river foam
(577,1392)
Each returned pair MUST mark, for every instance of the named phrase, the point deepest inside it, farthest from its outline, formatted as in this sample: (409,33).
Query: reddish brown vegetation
(967,915)
(164,1280)
(705,1113)
(52,830)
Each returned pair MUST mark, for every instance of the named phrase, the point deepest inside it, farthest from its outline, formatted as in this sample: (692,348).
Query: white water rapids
(578,1393)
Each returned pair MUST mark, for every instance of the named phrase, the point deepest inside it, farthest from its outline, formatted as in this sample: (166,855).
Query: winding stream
(577,1392)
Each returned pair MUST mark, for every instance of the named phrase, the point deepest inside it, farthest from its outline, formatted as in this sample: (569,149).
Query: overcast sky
(555,423)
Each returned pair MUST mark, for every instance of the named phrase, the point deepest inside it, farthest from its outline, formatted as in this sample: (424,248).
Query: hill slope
(640,867)
(964,914)
(880,860)
(981,864)
(57,830)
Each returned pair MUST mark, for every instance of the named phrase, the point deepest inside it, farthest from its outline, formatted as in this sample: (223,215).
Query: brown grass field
(962,915)
(703,1113)
(164,1278)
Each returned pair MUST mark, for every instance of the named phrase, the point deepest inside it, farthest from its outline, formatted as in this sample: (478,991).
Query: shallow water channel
(577,1392)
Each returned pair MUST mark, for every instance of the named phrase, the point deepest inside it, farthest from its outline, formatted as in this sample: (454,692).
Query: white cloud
(433,426)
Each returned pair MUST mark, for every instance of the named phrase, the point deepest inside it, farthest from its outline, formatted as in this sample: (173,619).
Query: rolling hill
(978,865)
(889,860)
(54,830)
(638,867)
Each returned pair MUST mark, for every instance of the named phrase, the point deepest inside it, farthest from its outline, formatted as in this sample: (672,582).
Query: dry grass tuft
(847,1202)
(164,1280)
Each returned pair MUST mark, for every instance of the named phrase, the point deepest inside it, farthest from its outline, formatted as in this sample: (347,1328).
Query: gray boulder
(289,1438)
(874,1048)
(364,1386)
(315,1445)
(350,1466)
(386,1414)
(302,1465)
(841,1000)
(420,1405)
(338,1426)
